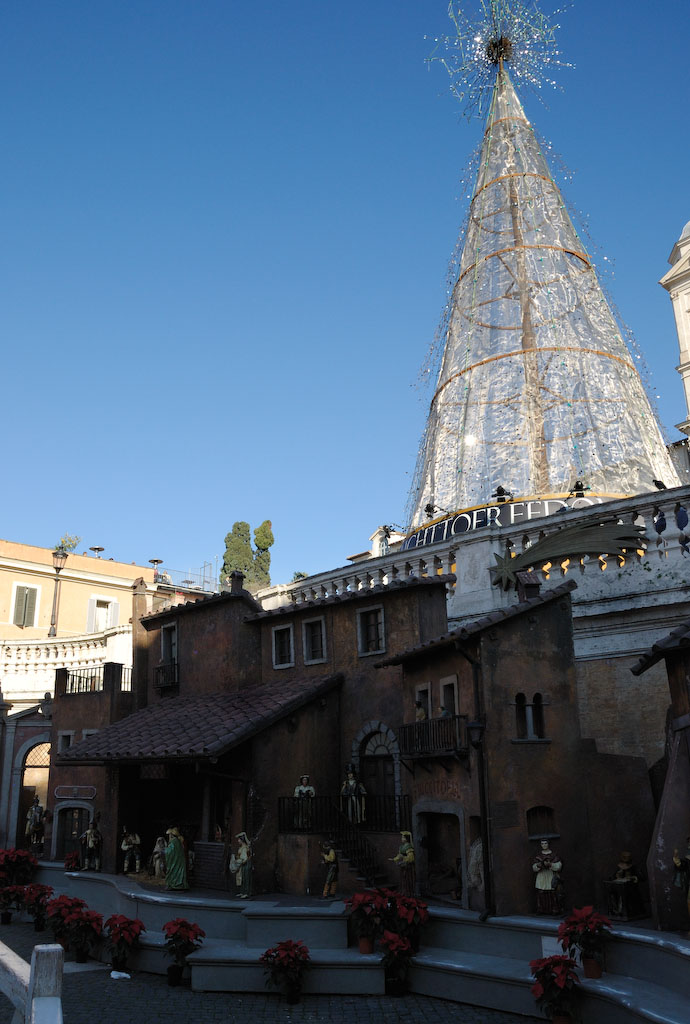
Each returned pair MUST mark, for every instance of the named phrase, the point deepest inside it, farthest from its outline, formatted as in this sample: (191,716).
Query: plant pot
(395,987)
(561,1018)
(591,968)
(175,975)
(366,944)
(39,924)
(81,955)
(5,917)
(118,963)
(292,996)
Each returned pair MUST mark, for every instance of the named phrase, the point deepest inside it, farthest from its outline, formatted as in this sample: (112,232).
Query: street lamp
(59,559)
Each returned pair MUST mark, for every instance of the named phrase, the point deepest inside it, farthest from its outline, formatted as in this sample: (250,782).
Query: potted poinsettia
(17,866)
(83,929)
(367,911)
(11,898)
(181,938)
(406,916)
(72,861)
(285,965)
(122,936)
(556,988)
(58,910)
(396,961)
(585,930)
(36,899)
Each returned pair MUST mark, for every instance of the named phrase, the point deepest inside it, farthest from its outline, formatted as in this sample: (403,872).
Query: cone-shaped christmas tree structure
(537,388)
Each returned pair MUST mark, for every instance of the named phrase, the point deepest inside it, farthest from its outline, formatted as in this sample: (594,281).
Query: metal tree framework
(536,387)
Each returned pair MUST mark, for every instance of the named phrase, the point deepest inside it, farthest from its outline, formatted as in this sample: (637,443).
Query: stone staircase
(486,964)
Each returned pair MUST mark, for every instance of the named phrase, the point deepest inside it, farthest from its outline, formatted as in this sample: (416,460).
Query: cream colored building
(92,616)
(677,283)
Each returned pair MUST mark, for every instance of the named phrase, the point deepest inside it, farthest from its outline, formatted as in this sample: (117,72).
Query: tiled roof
(675,641)
(183,728)
(479,625)
(202,602)
(367,593)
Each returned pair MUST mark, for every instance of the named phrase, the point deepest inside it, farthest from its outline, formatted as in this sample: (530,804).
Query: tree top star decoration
(506,32)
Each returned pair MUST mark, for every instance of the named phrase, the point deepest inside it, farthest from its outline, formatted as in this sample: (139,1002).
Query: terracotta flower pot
(561,1018)
(591,968)
(366,944)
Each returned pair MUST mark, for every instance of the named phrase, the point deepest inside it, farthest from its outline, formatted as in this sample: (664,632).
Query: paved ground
(90,996)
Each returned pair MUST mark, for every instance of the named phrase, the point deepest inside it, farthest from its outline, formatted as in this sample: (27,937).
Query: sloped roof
(365,594)
(674,641)
(479,625)
(186,607)
(201,727)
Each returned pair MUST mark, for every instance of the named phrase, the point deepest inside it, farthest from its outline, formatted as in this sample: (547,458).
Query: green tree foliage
(241,557)
(68,542)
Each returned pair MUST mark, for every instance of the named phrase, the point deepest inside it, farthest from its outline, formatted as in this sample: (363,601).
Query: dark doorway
(72,823)
(444,856)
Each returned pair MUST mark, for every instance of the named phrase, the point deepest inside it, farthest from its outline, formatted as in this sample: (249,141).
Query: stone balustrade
(27,667)
(663,563)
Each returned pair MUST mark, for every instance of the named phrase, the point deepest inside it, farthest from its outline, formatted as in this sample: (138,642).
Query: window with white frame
(370,631)
(25,605)
(314,641)
(103,613)
(283,647)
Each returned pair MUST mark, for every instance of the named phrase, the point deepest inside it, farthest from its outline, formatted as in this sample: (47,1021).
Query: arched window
(521,716)
(529,717)
(34,783)
(538,716)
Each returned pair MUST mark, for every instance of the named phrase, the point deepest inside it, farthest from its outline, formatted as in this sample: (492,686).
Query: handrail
(34,990)
(438,736)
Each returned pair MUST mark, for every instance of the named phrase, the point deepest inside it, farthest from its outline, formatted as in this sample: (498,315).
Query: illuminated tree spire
(536,387)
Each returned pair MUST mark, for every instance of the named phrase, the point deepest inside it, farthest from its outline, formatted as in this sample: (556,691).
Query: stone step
(233,967)
(503,983)
(323,926)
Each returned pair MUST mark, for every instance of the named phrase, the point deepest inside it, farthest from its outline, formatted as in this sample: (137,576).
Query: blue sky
(224,232)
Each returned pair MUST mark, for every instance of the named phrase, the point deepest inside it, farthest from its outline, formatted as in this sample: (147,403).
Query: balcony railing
(166,676)
(434,737)
(323,814)
(85,680)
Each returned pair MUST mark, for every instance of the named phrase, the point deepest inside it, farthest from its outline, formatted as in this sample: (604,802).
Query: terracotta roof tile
(674,641)
(196,727)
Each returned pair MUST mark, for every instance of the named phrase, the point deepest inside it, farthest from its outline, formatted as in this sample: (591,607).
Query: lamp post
(475,732)
(59,559)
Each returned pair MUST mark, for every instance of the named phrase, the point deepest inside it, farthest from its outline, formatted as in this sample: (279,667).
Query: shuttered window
(24,606)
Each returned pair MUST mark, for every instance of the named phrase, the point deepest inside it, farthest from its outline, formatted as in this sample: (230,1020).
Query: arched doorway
(377,762)
(34,783)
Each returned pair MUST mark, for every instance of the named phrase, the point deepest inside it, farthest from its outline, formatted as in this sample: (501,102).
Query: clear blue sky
(224,231)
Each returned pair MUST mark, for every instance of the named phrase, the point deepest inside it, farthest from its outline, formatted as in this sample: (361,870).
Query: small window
(169,645)
(529,717)
(314,641)
(283,654)
(25,606)
(370,631)
(65,740)
(103,613)
(541,823)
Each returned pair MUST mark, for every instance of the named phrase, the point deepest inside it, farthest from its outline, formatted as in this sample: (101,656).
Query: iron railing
(322,814)
(85,680)
(435,736)
(126,680)
(166,675)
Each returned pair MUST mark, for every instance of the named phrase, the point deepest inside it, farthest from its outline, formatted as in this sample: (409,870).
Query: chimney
(528,586)
(236,582)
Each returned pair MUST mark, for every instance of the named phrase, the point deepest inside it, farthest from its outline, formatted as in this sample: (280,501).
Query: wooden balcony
(435,737)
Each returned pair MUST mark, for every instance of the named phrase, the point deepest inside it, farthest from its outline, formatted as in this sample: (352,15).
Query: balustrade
(433,737)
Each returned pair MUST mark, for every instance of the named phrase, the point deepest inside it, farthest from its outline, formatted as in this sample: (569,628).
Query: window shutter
(91,615)
(19,604)
(30,606)
(114,613)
